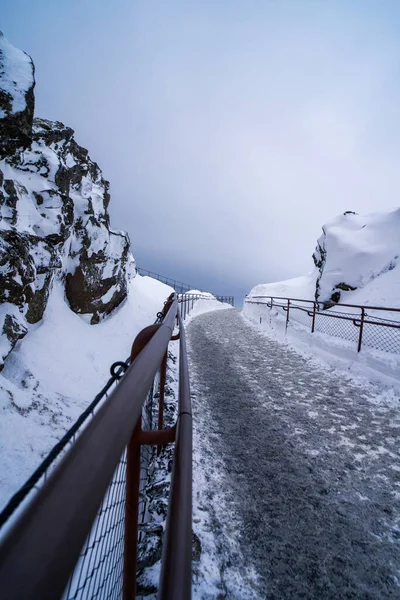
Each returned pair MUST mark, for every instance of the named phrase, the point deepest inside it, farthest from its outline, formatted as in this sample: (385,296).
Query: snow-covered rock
(17,102)
(356,262)
(62,270)
(355,251)
(54,220)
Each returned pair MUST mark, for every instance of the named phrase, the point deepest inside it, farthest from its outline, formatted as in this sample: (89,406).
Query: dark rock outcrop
(54,221)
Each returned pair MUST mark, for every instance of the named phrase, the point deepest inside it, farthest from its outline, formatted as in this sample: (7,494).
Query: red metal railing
(78,536)
(359,324)
(179,286)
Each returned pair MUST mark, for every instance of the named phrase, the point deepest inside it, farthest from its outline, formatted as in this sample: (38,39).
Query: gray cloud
(230,131)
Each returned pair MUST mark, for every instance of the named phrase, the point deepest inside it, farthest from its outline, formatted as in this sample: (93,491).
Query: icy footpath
(297,470)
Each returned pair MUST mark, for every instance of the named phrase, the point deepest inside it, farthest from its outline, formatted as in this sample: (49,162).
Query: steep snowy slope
(57,369)
(71,303)
(356,262)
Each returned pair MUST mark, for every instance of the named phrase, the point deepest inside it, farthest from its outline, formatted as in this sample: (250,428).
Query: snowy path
(310,467)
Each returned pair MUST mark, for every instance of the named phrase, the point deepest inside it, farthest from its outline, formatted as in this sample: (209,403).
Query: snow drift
(356,262)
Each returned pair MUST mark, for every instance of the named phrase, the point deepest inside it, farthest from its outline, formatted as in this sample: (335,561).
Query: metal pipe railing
(175,579)
(40,551)
(382,308)
(358,320)
(179,286)
(174,283)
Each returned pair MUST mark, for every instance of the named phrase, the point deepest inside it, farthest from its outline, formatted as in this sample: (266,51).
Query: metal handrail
(40,551)
(175,579)
(358,320)
(165,279)
(385,308)
(179,286)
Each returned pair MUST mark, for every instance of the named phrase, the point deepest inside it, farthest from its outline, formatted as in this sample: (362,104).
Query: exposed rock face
(16,98)
(54,220)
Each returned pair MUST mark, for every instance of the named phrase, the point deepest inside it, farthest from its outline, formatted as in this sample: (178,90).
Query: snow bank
(299,287)
(54,373)
(376,366)
(199,293)
(357,261)
(202,306)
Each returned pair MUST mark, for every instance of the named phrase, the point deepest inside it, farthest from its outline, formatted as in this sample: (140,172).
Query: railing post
(313,319)
(133,482)
(361,329)
(163,378)
(287,314)
(131,515)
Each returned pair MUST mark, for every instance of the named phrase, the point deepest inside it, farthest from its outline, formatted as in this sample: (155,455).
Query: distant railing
(180,287)
(360,324)
(76,537)
(226,299)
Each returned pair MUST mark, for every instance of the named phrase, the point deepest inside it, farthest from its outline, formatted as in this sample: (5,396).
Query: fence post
(313,319)
(361,329)
(163,377)
(133,484)
(131,515)
(287,314)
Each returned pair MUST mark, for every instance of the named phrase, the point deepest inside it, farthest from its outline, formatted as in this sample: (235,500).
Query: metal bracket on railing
(122,368)
(156,437)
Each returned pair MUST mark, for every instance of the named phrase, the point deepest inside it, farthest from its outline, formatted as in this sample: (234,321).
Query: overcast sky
(230,130)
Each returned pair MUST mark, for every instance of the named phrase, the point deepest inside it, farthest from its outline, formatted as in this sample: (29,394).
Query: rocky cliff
(54,221)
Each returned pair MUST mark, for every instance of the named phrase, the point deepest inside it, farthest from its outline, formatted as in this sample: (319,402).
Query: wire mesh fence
(384,336)
(98,573)
(35,482)
(79,535)
(147,452)
(99,569)
(359,325)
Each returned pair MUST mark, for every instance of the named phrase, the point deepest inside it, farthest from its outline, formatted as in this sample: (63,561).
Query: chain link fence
(98,573)
(99,570)
(362,326)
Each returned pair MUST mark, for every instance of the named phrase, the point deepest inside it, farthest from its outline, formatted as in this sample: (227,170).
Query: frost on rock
(16,97)
(54,219)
